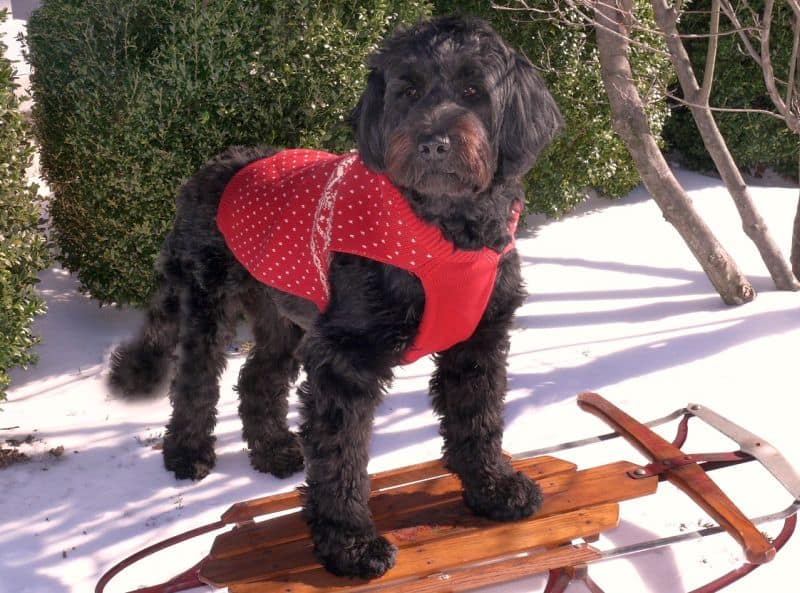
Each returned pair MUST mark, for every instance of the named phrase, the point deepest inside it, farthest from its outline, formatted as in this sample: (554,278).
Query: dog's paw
(189,463)
(366,557)
(509,498)
(281,458)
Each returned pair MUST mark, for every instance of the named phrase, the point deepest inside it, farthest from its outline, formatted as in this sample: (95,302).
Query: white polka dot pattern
(283,217)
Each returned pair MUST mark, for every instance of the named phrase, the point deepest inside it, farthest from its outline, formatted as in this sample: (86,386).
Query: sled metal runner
(442,546)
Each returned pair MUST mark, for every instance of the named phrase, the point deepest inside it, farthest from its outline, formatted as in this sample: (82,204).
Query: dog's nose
(433,148)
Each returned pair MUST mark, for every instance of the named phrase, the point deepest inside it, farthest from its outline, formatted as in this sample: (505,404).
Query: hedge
(23,249)
(755,141)
(131,97)
(587,155)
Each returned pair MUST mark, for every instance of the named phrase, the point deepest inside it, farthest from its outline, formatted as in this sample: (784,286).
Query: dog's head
(449,107)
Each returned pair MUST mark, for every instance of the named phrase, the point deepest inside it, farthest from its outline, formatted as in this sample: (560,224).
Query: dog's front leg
(468,391)
(344,385)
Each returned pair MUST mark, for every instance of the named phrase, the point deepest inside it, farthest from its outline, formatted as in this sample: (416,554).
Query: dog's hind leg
(264,387)
(207,322)
(140,366)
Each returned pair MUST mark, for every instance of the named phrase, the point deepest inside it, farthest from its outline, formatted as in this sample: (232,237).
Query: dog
(450,121)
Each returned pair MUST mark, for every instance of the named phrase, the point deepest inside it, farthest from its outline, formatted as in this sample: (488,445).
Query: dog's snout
(434,147)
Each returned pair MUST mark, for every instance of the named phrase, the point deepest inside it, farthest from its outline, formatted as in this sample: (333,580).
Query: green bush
(23,250)
(587,155)
(754,140)
(131,97)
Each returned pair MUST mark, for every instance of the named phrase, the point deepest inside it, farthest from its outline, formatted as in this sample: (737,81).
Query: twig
(683,101)
(753,13)
(718,34)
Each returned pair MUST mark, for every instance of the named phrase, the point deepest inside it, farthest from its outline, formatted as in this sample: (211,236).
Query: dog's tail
(140,367)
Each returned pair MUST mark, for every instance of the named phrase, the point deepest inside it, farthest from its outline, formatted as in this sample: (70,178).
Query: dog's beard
(465,170)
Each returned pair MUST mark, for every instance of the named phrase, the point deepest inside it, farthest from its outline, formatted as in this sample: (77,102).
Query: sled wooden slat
(597,485)
(563,491)
(458,579)
(427,513)
(248,510)
(435,555)
(402,504)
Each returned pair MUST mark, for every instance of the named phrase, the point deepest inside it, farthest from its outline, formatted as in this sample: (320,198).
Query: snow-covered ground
(617,305)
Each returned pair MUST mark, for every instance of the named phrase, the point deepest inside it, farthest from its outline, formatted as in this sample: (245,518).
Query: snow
(616,305)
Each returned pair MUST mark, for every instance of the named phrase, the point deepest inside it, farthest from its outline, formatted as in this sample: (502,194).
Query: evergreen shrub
(23,249)
(131,97)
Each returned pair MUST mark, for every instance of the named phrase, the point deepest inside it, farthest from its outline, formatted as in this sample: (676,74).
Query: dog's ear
(367,118)
(531,119)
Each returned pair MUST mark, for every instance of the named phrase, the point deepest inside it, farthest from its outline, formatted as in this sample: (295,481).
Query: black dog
(454,118)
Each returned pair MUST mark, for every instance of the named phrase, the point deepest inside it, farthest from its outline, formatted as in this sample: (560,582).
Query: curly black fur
(454,118)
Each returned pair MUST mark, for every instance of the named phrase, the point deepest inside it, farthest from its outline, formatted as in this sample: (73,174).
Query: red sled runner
(442,547)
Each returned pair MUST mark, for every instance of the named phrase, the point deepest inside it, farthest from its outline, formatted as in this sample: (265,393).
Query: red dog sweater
(283,216)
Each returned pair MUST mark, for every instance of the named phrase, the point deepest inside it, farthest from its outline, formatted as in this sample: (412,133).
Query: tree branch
(753,224)
(687,103)
(580,7)
(792,121)
(793,60)
(718,34)
(629,120)
(731,14)
(711,54)
(764,59)
(753,13)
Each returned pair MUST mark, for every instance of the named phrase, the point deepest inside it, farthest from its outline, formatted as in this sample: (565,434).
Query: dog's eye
(469,92)
(411,92)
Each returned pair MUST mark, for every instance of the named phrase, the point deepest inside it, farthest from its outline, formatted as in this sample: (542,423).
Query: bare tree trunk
(754,226)
(795,257)
(630,122)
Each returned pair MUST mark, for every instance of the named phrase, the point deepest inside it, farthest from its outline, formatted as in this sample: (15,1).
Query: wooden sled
(443,547)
